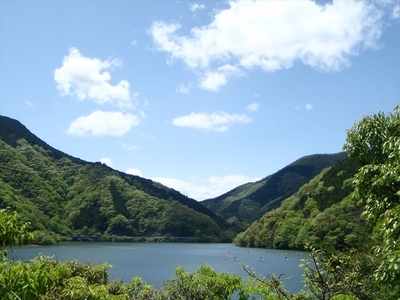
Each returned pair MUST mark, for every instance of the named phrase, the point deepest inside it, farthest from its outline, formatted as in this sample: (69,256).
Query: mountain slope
(62,196)
(248,202)
(320,212)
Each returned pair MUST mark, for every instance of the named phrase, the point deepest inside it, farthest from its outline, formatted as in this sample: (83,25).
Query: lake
(156,262)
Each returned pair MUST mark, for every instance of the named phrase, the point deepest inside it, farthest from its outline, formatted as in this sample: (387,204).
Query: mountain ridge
(63,195)
(60,193)
(322,212)
(11,130)
(267,193)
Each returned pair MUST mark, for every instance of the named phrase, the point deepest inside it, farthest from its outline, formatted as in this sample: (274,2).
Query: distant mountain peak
(248,202)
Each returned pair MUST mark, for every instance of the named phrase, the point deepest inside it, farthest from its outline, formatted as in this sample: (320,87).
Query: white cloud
(214,186)
(272,35)
(307,106)
(396,12)
(183,89)
(101,123)
(253,107)
(216,121)
(128,147)
(213,80)
(88,78)
(195,6)
(134,172)
(107,161)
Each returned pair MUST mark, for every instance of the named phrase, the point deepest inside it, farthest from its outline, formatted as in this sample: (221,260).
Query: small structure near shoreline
(85,238)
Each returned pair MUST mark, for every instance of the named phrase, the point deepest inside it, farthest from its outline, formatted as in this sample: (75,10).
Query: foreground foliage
(13,232)
(375,143)
(329,274)
(326,276)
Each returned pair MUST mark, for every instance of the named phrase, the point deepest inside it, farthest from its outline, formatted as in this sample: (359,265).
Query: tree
(204,283)
(330,274)
(13,231)
(375,143)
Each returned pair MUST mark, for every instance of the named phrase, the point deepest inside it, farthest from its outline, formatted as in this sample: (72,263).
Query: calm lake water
(156,262)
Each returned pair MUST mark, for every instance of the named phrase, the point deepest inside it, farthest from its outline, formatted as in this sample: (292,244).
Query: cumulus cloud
(253,107)
(272,35)
(216,121)
(134,172)
(107,161)
(88,78)
(214,186)
(213,80)
(100,123)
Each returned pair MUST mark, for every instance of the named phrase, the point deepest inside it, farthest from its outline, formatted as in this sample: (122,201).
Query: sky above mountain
(200,96)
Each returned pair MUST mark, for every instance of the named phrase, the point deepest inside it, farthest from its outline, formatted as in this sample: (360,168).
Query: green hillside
(250,201)
(64,196)
(321,212)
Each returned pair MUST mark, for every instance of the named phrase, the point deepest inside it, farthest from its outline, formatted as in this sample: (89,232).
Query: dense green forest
(250,201)
(321,212)
(62,196)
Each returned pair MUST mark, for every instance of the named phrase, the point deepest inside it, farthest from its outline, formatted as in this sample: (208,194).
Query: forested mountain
(321,212)
(63,196)
(250,201)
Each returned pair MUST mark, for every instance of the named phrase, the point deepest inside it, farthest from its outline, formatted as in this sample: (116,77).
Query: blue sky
(200,96)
